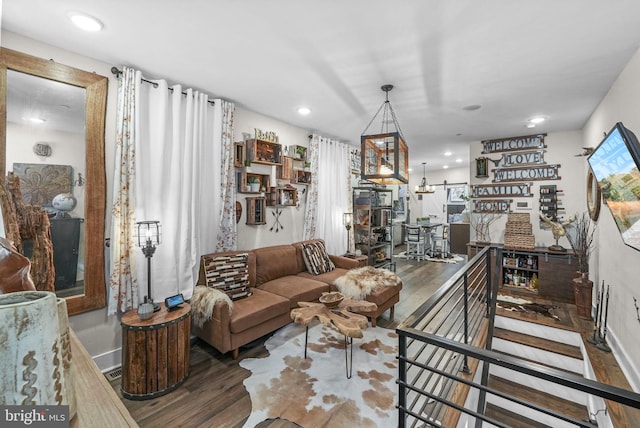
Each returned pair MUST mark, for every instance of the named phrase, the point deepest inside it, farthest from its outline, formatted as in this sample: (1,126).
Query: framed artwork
(456,194)
(40,183)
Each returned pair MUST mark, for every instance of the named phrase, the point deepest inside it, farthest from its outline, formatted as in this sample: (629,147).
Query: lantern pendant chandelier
(384,156)
(423,187)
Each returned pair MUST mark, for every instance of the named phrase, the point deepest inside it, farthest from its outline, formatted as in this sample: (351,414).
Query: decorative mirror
(77,170)
(594,196)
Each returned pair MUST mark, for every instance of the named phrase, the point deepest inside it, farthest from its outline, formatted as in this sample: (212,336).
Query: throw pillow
(228,274)
(316,258)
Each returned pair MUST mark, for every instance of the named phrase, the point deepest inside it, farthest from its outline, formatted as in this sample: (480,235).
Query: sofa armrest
(344,262)
(216,331)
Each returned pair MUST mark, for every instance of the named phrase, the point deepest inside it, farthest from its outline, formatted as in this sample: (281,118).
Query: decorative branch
(581,239)
(635,303)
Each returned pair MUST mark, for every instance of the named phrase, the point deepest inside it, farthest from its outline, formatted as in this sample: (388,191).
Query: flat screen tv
(615,164)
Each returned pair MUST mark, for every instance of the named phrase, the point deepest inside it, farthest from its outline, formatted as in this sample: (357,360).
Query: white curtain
(329,194)
(177,168)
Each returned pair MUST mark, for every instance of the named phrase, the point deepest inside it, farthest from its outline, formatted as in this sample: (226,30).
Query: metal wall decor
(501,190)
(535,157)
(499,206)
(527,142)
(543,172)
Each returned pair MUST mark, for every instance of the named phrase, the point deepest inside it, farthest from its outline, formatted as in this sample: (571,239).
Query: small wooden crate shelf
(242,184)
(264,152)
(282,196)
(238,159)
(256,211)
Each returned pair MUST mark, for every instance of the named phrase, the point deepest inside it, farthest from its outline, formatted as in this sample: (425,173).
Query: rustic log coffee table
(340,318)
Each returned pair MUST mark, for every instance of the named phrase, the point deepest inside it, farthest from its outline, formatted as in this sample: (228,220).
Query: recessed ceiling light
(37,120)
(304,111)
(448,153)
(536,120)
(531,125)
(85,22)
(458,160)
(410,169)
(445,167)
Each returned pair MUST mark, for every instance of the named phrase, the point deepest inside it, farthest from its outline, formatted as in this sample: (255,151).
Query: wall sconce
(148,236)
(80,181)
(384,157)
(347,220)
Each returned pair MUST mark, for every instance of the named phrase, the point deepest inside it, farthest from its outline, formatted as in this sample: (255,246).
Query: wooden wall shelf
(264,152)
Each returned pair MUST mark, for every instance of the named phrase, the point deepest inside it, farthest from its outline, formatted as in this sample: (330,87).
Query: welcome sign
(543,172)
(528,142)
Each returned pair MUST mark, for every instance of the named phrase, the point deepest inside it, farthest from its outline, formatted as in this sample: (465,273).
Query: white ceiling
(516,59)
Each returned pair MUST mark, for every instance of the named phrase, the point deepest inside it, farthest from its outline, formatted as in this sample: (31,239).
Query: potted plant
(254,183)
(580,236)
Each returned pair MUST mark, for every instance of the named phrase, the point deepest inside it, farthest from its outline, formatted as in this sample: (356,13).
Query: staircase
(558,348)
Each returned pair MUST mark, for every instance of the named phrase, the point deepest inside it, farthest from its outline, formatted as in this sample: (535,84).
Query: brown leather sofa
(279,280)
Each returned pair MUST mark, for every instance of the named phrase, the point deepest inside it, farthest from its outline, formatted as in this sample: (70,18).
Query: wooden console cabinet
(554,271)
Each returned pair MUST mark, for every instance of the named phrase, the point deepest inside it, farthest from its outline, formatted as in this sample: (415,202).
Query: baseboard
(109,360)
(626,365)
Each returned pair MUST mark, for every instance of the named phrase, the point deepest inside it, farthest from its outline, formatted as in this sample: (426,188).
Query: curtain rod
(118,73)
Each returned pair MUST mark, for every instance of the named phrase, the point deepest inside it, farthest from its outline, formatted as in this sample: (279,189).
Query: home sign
(269,136)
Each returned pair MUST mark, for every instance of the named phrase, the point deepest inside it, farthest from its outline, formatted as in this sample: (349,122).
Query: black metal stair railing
(451,333)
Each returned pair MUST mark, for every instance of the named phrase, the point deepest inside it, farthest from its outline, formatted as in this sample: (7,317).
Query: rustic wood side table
(155,352)
(339,318)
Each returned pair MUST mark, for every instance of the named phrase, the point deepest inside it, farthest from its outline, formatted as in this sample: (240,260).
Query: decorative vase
(31,370)
(582,292)
(65,349)
(145,311)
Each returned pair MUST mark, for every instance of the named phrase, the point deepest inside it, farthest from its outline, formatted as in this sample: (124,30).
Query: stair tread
(549,401)
(538,342)
(511,418)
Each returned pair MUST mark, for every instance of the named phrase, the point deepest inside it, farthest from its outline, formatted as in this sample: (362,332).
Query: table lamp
(148,237)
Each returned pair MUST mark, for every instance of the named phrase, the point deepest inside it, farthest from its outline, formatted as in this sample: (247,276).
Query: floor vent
(114,374)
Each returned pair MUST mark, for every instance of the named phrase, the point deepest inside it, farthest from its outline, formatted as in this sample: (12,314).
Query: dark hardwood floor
(214,396)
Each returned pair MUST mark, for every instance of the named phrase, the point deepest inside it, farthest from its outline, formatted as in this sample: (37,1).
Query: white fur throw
(359,283)
(203,301)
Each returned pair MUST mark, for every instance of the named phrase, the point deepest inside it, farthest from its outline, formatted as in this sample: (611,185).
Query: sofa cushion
(316,258)
(255,310)
(328,277)
(381,295)
(296,288)
(275,262)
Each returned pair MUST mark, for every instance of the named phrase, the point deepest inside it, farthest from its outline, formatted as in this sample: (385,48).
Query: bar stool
(416,242)
(440,242)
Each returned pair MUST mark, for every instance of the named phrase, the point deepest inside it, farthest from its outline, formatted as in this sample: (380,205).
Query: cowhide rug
(316,392)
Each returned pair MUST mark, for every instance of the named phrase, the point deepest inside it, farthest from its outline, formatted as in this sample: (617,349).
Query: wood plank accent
(98,404)
(538,342)
(510,418)
(543,399)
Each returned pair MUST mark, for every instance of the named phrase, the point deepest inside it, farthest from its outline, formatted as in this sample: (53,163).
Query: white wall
(292,218)
(615,263)
(561,149)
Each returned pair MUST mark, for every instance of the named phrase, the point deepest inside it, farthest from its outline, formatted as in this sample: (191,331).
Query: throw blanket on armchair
(359,283)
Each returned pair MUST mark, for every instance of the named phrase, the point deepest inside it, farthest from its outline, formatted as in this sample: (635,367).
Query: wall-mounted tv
(615,164)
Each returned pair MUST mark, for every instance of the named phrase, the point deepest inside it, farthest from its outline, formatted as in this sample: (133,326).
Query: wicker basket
(518,229)
(518,218)
(520,241)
